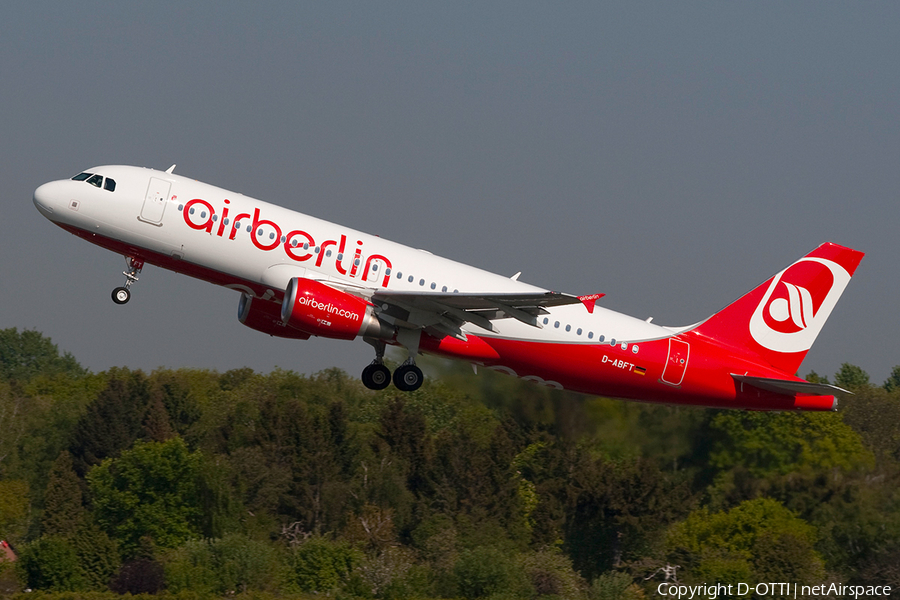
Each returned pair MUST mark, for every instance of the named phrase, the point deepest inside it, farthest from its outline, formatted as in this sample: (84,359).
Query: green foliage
(27,354)
(851,377)
(14,509)
(767,444)
(618,511)
(231,564)
(550,573)
(485,571)
(51,563)
(98,555)
(320,565)
(758,539)
(268,484)
(113,421)
(150,490)
(63,509)
(892,383)
(614,585)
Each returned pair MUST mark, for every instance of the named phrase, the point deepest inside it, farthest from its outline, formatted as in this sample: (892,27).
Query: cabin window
(556,324)
(568,328)
(421,282)
(546,320)
(579,331)
(444,289)
(433,285)
(590,335)
(601,338)
(386,271)
(410,278)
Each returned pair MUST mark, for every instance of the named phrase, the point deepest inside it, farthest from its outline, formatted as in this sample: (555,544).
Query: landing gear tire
(408,378)
(376,377)
(121,295)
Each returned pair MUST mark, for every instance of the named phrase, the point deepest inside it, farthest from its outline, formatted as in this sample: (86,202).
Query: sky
(672,155)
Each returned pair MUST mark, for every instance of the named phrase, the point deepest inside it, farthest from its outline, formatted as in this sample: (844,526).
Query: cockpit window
(96,180)
(110,184)
(81,176)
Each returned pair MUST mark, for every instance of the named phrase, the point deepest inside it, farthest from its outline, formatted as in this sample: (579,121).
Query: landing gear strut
(376,376)
(122,294)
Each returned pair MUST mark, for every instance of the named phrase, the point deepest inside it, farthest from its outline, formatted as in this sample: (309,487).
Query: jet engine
(265,316)
(321,310)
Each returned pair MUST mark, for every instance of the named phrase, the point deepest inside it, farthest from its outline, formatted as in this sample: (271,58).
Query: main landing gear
(122,294)
(407,378)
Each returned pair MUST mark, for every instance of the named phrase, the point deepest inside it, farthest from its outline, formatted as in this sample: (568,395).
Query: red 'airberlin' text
(298,245)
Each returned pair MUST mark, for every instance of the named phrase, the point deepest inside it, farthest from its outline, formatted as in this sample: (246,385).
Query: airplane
(299,276)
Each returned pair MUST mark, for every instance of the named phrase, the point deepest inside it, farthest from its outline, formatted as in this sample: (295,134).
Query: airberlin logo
(298,245)
(328,308)
(797,303)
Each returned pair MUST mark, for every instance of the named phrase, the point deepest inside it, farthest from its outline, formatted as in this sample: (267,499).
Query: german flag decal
(640,370)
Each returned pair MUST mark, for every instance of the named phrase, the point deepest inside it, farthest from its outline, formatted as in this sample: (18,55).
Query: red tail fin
(780,319)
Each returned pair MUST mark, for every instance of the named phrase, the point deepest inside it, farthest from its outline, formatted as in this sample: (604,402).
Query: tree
(26,354)
(14,508)
(851,377)
(63,509)
(767,444)
(113,421)
(758,539)
(51,563)
(892,383)
(149,490)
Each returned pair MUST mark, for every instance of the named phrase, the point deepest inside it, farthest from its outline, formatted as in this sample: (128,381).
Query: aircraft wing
(445,313)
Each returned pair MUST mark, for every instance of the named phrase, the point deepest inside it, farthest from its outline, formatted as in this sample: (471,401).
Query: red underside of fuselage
(596,369)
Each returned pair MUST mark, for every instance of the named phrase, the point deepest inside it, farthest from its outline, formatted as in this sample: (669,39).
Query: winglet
(590,300)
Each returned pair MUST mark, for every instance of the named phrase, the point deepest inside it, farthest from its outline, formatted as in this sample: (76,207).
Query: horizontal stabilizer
(790,387)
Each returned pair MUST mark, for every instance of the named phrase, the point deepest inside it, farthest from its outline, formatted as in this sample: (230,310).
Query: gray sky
(671,155)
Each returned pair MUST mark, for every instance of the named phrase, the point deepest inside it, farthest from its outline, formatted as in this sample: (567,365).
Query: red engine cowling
(324,311)
(265,316)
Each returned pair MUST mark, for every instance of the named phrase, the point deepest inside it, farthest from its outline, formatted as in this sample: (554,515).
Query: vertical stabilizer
(780,319)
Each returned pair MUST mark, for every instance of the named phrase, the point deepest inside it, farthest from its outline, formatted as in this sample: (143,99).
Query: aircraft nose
(45,197)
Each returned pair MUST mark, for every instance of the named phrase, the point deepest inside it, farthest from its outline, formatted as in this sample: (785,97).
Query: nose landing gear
(122,294)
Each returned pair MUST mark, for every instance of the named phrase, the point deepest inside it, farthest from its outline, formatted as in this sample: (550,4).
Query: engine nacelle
(265,316)
(324,311)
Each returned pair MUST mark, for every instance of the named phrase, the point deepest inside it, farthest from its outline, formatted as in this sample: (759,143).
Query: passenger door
(155,201)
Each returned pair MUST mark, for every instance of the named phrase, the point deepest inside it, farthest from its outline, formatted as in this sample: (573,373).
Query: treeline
(211,484)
